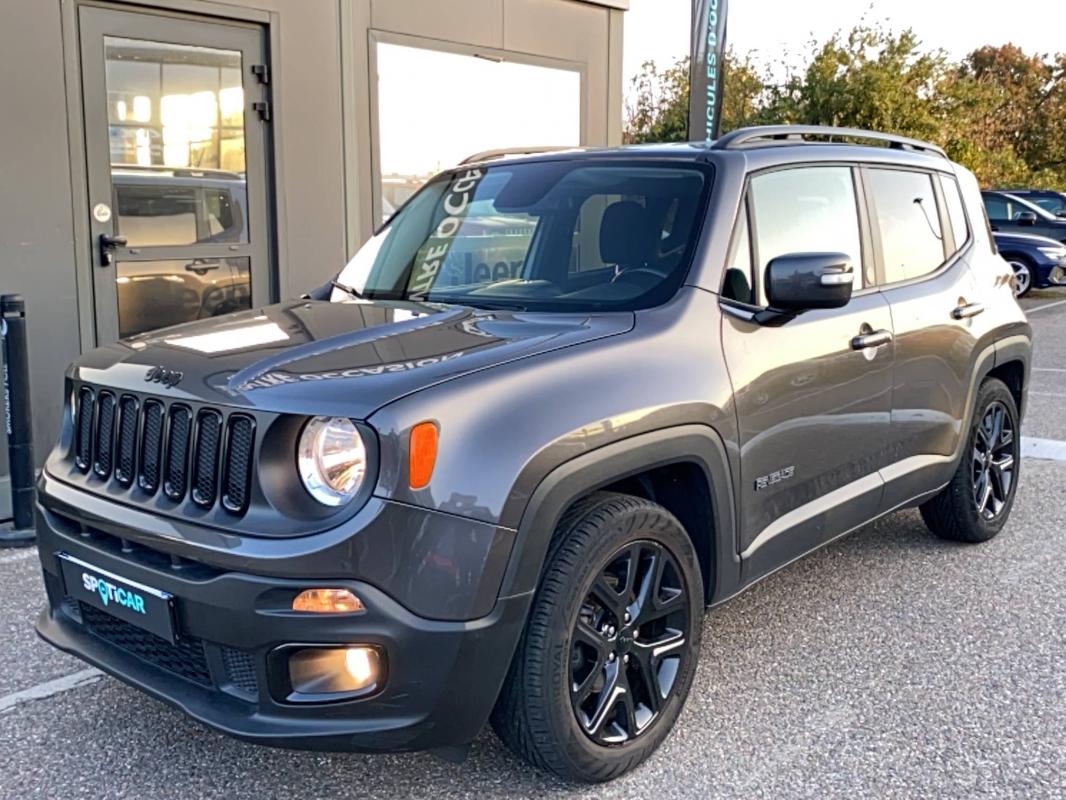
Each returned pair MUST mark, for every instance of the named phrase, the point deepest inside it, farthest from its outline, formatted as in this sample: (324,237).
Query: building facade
(169,160)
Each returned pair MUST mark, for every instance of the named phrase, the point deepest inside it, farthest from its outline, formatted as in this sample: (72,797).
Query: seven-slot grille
(202,455)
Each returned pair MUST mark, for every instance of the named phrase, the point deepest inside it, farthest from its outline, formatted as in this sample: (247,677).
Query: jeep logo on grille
(167,377)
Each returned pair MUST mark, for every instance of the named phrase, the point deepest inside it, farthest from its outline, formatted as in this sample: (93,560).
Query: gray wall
(322,140)
(36,228)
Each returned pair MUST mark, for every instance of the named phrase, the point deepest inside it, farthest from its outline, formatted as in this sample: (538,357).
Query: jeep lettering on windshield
(435,250)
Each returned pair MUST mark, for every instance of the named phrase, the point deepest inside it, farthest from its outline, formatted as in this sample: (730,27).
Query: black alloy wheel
(976,503)
(628,643)
(994,458)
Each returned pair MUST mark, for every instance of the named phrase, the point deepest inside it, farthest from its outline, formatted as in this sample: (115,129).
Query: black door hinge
(261,71)
(263,108)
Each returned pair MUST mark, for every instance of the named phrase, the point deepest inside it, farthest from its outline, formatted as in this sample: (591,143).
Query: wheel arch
(660,465)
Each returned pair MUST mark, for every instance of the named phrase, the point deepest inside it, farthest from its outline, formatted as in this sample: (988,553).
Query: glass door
(175,115)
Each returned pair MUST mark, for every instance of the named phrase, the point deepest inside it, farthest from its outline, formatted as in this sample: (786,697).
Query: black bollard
(18,421)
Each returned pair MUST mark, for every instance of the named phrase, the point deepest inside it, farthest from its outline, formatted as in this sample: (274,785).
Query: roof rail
(768,134)
(490,155)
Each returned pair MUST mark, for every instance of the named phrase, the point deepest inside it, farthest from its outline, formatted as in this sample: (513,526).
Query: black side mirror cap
(808,281)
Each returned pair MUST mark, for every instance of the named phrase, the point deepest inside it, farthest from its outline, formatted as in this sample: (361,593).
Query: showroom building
(167,160)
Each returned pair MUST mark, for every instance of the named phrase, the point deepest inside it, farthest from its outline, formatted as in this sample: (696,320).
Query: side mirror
(1027,218)
(807,281)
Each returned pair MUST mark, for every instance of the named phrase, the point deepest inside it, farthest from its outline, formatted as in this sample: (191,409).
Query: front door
(813,401)
(175,115)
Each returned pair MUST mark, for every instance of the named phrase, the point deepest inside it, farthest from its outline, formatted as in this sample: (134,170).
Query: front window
(545,236)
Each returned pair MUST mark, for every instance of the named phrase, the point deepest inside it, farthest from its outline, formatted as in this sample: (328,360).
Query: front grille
(205,466)
(151,446)
(177,461)
(83,445)
(105,435)
(239,442)
(186,658)
(126,459)
(197,456)
(240,670)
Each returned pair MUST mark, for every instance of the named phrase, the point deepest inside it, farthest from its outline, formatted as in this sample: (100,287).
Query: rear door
(917,218)
(813,411)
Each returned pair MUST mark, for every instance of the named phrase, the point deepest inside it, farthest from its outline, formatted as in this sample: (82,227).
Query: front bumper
(443,675)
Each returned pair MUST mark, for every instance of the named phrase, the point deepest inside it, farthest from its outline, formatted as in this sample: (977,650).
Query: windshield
(550,236)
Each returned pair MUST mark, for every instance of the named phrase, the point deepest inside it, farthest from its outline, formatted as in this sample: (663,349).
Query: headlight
(332,459)
(1055,253)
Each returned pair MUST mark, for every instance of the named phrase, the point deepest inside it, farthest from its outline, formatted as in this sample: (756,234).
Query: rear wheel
(974,507)
(611,646)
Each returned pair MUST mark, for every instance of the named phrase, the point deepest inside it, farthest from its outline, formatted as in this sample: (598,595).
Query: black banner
(705,78)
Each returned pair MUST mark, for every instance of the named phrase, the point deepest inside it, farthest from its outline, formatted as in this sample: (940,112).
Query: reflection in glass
(502,104)
(806,210)
(154,294)
(912,243)
(176,132)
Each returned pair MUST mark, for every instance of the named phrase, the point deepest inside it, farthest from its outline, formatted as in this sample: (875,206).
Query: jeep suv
(557,407)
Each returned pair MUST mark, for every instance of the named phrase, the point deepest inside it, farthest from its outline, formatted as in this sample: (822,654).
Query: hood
(336,359)
(1026,239)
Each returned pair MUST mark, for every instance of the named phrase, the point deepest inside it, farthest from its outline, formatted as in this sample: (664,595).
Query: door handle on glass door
(108,244)
(872,339)
(201,267)
(967,311)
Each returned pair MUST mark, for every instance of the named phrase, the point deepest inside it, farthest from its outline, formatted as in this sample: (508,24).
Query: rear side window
(908,223)
(805,210)
(956,210)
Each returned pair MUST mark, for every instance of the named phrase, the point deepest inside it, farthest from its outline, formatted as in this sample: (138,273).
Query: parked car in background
(1038,262)
(1012,214)
(1051,201)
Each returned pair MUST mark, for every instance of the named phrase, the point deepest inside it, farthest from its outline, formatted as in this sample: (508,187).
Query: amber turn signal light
(423,454)
(327,601)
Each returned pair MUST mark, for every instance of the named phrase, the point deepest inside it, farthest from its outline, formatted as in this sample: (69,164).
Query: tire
(537,713)
(1024,273)
(964,511)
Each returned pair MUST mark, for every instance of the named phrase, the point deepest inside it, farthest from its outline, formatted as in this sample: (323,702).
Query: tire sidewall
(962,486)
(582,751)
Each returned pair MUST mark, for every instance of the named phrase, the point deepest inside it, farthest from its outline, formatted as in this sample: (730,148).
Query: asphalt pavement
(889,664)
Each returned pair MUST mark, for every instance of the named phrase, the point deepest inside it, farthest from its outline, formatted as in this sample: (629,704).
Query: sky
(774,29)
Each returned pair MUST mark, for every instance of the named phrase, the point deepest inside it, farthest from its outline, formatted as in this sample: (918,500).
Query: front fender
(699,444)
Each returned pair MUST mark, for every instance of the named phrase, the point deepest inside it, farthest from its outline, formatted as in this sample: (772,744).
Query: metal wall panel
(35,206)
(465,21)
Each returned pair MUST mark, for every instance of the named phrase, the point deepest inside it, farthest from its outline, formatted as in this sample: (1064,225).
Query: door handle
(108,244)
(873,339)
(967,311)
(203,266)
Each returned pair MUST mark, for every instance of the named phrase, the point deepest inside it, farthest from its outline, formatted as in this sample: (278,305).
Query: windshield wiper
(348,290)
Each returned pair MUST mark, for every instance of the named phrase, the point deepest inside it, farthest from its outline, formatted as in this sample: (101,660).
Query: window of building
(908,220)
(436,108)
(805,210)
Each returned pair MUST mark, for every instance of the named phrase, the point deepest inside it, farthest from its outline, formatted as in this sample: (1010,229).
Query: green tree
(999,111)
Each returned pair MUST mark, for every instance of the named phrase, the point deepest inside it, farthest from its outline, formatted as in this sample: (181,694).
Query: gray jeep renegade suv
(557,407)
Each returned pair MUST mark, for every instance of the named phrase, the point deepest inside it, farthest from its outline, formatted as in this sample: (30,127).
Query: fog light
(327,601)
(325,671)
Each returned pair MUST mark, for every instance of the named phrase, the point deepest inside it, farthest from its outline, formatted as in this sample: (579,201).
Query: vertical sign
(705,77)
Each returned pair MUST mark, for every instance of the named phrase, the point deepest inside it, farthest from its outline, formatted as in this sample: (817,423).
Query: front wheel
(612,642)
(1023,276)
(974,507)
